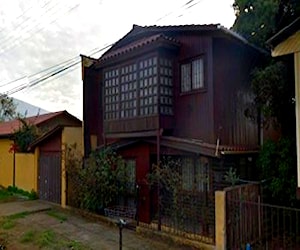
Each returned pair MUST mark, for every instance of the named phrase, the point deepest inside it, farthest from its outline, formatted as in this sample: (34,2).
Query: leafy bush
(25,135)
(277,163)
(32,195)
(96,183)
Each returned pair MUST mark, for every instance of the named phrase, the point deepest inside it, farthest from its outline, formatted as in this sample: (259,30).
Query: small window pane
(197,74)
(185,77)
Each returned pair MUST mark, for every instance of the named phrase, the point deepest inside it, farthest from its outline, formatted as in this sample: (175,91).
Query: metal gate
(260,226)
(49,176)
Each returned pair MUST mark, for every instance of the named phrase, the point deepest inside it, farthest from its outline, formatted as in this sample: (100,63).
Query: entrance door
(49,176)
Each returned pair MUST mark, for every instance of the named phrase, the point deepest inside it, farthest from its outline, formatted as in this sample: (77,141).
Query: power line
(19,28)
(10,45)
(57,69)
(63,67)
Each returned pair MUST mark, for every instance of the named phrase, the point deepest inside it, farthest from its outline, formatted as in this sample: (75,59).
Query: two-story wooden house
(173,90)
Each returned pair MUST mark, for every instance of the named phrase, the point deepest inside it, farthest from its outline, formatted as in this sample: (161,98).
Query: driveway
(73,227)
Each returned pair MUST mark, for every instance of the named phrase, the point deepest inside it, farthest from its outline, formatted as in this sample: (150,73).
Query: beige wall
(26,170)
(6,163)
(25,167)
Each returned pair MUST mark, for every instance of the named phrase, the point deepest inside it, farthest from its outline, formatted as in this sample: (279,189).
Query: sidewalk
(93,234)
(15,207)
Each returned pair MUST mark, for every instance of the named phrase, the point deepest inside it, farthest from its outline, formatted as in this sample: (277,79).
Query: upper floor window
(192,75)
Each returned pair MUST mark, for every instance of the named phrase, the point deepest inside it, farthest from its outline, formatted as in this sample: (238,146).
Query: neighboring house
(177,91)
(41,168)
(27,109)
(285,42)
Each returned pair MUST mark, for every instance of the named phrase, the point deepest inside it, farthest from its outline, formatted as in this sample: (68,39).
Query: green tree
(273,86)
(278,169)
(258,20)
(7,108)
(25,135)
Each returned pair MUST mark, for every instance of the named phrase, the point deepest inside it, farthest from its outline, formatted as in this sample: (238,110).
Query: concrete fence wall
(26,171)
(17,168)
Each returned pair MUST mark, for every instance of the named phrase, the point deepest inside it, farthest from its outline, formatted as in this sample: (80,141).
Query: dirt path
(61,229)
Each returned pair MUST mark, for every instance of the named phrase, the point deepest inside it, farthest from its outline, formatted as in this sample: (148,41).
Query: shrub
(98,181)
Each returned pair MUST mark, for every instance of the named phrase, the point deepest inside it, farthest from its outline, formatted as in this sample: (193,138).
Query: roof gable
(138,34)
(139,44)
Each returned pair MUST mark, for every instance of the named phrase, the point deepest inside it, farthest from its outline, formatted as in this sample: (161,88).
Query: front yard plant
(97,182)
(14,193)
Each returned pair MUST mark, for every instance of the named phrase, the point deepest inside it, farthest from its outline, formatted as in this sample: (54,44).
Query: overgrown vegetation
(98,182)
(25,135)
(231,176)
(278,169)
(55,214)
(180,205)
(9,222)
(11,193)
(7,108)
(273,86)
(48,239)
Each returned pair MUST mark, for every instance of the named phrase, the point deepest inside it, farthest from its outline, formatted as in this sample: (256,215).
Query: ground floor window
(195,174)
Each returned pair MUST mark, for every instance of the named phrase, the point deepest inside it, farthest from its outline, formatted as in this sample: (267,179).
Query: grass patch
(49,240)
(30,195)
(46,238)
(55,214)
(18,216)
(28,236)
(8,222)
(5,195)
(11,193)
(75,245)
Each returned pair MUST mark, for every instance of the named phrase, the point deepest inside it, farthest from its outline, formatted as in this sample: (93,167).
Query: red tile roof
(8,128)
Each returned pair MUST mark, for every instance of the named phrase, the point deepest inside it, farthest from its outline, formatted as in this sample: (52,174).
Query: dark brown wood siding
(232,66)
(131,124)
(92,105)
(194,110)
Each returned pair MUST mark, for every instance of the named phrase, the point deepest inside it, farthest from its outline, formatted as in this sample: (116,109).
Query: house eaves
(284,33)
(145,32)
(203,148)
(157,40)
(287,40)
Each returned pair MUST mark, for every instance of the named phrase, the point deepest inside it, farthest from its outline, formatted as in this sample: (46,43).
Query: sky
(36,35)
